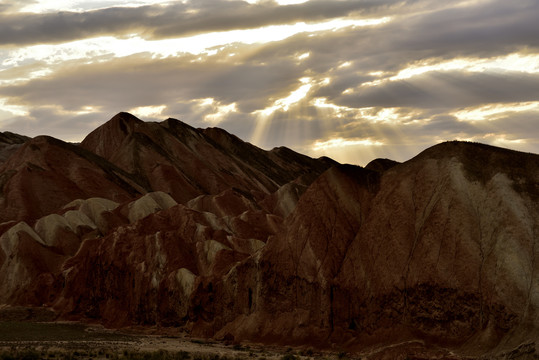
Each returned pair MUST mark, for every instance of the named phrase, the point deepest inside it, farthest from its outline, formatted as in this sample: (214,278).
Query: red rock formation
(127,157)
(245,244)
(146,272)
(42,179)
(442,248)
(433,250)
(45,174)
(9,143)
(186,162)
(32,258)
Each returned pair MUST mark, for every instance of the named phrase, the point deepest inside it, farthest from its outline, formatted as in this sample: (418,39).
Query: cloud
(447,90)
(10,6)
(356,91)
(179,19)
(56,122)
(140,80)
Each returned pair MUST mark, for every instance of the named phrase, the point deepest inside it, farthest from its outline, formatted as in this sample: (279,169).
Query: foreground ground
(30,334)
(27,333)
(33,340)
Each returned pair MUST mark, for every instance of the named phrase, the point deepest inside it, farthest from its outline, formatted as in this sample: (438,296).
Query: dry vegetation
(29,340)
(30,334)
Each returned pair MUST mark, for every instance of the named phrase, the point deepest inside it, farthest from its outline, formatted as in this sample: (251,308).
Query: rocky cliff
(163,224)
(55,196)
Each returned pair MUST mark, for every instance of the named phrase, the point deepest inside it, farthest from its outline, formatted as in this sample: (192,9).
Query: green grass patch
(26,354)
(34,331)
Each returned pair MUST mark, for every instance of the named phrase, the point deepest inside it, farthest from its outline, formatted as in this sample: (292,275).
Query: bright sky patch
(148,111)
(494,111)
(341,143)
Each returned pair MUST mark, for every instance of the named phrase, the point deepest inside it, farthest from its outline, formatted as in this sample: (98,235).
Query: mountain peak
(481,161)
(172,123)
(125,115)
(126,121)
(9,143)
(105,139)
(9,138)
(179,129)
(381,165)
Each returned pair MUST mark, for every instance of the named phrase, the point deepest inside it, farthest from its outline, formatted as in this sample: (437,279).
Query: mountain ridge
(195,229)
(147,157)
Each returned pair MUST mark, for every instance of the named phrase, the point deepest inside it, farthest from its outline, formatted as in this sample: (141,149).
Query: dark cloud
(522,125)
(486,29)
(257,75)
(231,15)
(490,28)
(179,19)
(10,6)
(448,90)
(142,81)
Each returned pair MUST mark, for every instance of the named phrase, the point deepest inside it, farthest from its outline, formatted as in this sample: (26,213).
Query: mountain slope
(57,196)
(126,157)
(430,249)
(9,143)
(45,173)
(197,229)
(187,162)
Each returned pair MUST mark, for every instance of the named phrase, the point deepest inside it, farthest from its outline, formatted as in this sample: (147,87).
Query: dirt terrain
(32,333)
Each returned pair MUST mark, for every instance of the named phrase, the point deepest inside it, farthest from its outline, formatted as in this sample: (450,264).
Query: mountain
(441,247)
(174,157)
(9,142)
(45,173)
(56,195)
(126,158)
(164,224)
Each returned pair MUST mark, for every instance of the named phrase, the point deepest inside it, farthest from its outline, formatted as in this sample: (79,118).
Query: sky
(350,79)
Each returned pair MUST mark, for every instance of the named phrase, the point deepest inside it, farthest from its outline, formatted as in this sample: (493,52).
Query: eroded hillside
(163,224)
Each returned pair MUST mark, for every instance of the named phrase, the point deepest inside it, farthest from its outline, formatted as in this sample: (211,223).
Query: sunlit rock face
(441,247)
(174,226)
(56,197)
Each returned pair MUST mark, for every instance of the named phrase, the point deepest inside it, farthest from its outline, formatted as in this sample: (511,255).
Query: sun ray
(494,111)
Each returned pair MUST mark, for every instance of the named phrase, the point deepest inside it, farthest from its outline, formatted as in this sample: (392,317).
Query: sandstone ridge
(164,224)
